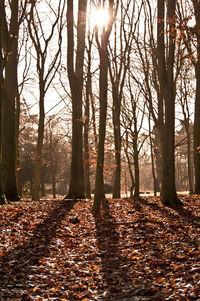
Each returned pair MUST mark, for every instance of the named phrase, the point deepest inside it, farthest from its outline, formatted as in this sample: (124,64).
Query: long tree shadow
(176,221)
(117,283)
(183,213)
(187,215)
(20,262)
(119,280)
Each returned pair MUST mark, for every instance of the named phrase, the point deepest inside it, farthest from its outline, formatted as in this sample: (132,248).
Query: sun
(99,17)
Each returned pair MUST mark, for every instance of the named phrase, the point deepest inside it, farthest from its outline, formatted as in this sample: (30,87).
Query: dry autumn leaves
(136,250)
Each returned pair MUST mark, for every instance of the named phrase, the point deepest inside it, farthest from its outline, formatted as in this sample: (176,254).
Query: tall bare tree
(9,47)
(75,75)
(102,40)
(133,116)
(167,99)
(196,62)
(46,70)
(191,38)
(88,93)
(120,53)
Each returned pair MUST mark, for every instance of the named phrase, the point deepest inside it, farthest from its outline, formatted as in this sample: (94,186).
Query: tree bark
(165,74)
(186,122)
(197,128)
(76,188)
(137,172)
(130,173)
(103,91)
(103,86)
(52,162)
(17,122)
(39,151)
(1,89)
(189,160)
(152,159)
(117,140)
(86,125)
(196,137)
(8,141)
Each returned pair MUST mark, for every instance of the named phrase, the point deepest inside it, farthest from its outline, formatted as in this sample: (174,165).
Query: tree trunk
(189,158)
(76,188)
(53,168)
(8,141)
(1,90)
(158,159)
(137,173)
(103,86)
(86,151)
(152,160)
(117,140)
(168,190)
(190,169)
(38,160)
(17,121)
(103,91)
(130,169)
(42,184)
(196,136)
(1,95)
(165,74)
(94,120)
(86,126)
(197,127)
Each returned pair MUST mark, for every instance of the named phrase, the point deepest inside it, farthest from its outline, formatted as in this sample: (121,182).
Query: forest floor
(136,250)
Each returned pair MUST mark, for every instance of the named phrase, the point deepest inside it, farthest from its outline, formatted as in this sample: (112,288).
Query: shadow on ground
(117,283)
(177,216)
(21,261)
(184,213)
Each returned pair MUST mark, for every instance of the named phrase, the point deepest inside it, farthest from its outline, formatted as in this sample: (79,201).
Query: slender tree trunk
(137,172)
(152,160)
(53,169)
(103,91)
(53,179)
(189,159)
(156,144)
(17,120)
(129,167)
(131,176)
(117,140)
(38,160)
(42,182)
(94,120)
(197,127)
(46,73)
(86,152)
(121,44)
(135,150)
(86,126)
(103,86)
